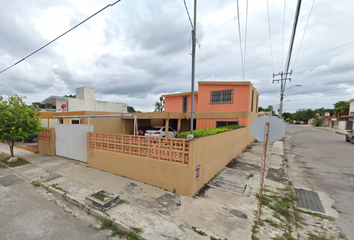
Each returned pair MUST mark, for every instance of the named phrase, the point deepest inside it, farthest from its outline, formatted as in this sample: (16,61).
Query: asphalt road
(26,214)
(324,162)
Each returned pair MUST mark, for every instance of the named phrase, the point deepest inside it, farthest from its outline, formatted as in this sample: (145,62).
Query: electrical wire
(109,5)
(239,34)
(245,50)
(313,3)
(270,37)
(189,17)
(282,41)
(304,59)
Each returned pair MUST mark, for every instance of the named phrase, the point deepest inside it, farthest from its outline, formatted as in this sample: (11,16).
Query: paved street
(323,161)
(26,214)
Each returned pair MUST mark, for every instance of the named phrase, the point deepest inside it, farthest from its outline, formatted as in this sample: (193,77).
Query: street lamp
(281,99)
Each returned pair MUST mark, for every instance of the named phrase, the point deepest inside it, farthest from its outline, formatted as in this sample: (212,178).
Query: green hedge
(209,131)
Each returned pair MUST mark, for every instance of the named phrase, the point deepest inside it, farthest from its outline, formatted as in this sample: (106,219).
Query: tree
(72,96)
(304,115)
(159,106)
(40,105)
(17,120)
(130,109)
(341,108)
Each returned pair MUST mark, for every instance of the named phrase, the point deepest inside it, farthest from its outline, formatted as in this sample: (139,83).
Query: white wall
(342,125)
(85,93)
(351,108)
(76,104)
(59,102)
(52,122)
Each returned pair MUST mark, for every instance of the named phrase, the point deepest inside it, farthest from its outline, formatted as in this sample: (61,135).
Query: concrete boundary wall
(207,156)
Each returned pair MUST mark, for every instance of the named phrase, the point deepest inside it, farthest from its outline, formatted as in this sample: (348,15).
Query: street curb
(81,204)
(340,133)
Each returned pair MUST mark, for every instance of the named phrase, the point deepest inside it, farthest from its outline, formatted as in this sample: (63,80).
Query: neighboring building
(217,103)
(84,101)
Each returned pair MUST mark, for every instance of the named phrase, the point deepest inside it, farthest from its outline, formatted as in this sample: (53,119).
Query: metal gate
(70,140)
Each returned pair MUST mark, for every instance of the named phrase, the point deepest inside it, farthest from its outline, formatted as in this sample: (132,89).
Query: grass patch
(250,176)
(100,197)
(133,234)
(36,184)
(213,238)
(55,185)
(174,190)
(122,201)
(19,162)
(201,233)
(216,175)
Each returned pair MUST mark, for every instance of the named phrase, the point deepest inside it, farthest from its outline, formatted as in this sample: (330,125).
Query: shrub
(209,131)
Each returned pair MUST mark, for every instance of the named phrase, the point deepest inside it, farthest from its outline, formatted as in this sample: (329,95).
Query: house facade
(84,101)
(217,103)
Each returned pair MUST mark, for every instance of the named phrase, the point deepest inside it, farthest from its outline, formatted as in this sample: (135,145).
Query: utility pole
(282,81)
(194,35)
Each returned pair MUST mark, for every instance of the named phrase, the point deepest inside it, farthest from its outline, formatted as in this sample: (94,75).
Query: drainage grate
(310,200)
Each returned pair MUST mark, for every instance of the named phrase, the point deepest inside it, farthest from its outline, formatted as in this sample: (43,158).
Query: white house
(84,101)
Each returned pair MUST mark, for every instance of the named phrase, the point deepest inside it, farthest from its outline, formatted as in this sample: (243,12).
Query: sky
(137,50)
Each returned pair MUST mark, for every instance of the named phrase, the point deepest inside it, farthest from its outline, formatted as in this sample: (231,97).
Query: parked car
(142,130)
(159,131)
(349,137)
(32,138)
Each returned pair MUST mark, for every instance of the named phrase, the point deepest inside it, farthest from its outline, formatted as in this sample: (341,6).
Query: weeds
(55,185)
(122,201)
(174,190)
(201,233)
(250,176)
(133,234)
(36,184)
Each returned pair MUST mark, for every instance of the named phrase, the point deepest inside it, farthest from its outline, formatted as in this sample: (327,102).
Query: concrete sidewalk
(217,211)
(329,129)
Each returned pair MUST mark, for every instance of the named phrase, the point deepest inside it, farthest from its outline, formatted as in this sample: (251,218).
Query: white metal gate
(70,140)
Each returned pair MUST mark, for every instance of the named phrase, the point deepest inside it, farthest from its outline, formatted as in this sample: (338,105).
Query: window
(224,96)
(225,123)
(184,105)
(257,104)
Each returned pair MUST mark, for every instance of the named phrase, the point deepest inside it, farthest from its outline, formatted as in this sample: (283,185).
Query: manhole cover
(229,186)
(309,200)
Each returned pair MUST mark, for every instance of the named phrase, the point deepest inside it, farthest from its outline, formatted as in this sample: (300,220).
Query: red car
(142,130)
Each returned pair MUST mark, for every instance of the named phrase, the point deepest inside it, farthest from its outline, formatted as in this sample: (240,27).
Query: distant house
(217,103)
(84,101)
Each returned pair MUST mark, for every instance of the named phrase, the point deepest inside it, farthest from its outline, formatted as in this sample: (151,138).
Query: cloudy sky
(137,50)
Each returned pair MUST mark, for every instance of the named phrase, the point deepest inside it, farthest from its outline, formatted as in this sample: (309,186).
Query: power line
(189,17)
(109,5)
(245,51)
(239,34)
(313,3)
(282,41)
(304,59)
(270,37)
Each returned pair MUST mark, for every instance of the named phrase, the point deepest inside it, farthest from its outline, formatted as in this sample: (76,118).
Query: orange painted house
(218,103)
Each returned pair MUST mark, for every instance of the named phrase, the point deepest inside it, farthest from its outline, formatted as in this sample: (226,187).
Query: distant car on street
(349,137)
(160,131)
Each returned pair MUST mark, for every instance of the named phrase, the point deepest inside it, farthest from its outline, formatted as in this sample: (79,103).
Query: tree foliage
(341,108)
(160,105)
(72,96)
(17,120)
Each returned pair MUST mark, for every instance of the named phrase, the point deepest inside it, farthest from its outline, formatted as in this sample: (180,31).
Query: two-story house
(217,103)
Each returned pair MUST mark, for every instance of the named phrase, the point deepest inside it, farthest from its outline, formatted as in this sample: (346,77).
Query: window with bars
(184,105)
(224,96)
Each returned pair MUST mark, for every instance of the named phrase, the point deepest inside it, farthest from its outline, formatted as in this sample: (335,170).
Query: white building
(84,101)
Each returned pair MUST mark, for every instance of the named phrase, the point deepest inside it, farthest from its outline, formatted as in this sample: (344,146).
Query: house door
(349,125)
(71,142)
